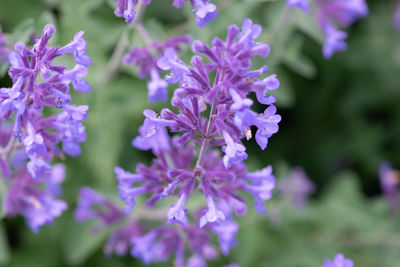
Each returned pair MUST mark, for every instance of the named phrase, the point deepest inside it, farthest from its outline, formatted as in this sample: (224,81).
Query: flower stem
(207,139)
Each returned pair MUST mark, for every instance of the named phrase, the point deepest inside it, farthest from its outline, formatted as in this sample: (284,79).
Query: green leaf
(80,243)
(3,195)
(46,18)
(309,26)
(294,59)
(23,30)
(4,248)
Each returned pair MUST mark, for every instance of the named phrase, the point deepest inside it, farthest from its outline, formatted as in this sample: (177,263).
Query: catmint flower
(120,242)
(125,8)
(390,184)
(214,113)
(339,261)
(396,17)
(296,187)
(94,206)
(146,60)
(35,198)
(302,4)
(205,11)
(38,83)
(330,14)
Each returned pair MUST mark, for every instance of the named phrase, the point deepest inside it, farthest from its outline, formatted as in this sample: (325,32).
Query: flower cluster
(296,187)
(339,261)
(37,85)
(153,245)
(333,13)
(146,60)
(216,84)
(205,11)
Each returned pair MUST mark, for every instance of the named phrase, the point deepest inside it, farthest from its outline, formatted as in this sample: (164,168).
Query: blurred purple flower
(390,185)
(33,199)
(330,14)
(296,188)
(339,261)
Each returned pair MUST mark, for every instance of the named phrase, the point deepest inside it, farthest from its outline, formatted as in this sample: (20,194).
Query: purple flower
(333,13)
(226,235)
(296,188)
(390,181)
(157,87)
(267,125)
(125,9)
(27,198)
(120,241)
(177,212)
(233,151)
(212,215)
(205,12)
(170,61)
(37,84)
(212,113)
(396,17)
(339,261)
(334,41)
(95,206)
(302,4)
(33,141)
(146,59)
(78,48)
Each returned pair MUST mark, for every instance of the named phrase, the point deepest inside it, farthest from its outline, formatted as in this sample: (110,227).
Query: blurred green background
(341,118)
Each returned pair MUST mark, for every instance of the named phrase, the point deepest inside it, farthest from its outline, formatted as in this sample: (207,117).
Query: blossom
(33,199)
(146,60)
(39,83)
(205,11)
(213,113)
(396,17)
(339,261)
(296,187)
(302,4)
(330,15)
(95,206)
(390,180)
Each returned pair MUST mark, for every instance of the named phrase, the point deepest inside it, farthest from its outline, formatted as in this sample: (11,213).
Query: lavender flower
(94,206)
(296,188)
(38,83)
(333,13)
(396,17)
(177,170)
(339,261)
(121,241)
(390,181)
(146,59)
(205,11)
(125,8)
(35,198)
(302,4)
